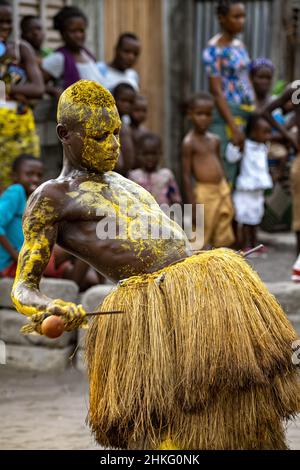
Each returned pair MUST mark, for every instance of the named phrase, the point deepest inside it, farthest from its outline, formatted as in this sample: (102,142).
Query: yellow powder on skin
(84,92)
(35,250)
(93,107)
(128,208)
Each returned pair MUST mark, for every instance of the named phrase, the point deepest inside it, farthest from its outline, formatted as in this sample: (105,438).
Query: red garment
(50,271)
(10,271)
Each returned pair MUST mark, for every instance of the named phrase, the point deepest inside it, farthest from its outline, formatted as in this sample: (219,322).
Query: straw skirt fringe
(202,357)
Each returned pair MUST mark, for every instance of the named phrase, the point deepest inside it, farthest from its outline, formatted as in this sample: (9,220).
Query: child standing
(159,182)
(202,161)
(120,70)
(124,95)
(254,178)
(27,174)
(138,116)
(261,74)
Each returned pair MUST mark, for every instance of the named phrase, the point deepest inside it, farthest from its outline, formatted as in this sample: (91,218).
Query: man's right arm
(40,228)
(40,231)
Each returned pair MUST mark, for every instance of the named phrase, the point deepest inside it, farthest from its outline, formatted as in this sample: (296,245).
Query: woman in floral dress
(227,65)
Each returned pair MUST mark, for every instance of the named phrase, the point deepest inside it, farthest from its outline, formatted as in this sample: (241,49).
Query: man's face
(29,175)
(234,21)
(139,110)
(201,114)
(128,52)
(94,143)
(34,33)
(262,81)
(74,32)
(125,100)
(262,132)
(5,22)
(150,155)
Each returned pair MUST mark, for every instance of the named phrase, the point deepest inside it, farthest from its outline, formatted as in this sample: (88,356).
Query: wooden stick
(89,314)
(247,253)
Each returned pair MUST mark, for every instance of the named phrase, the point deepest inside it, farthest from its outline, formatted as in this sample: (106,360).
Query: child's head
(231,15)
(6,23)
(139,110)
(32,31)
(262,72)
(150,149)
(288,107)
(200,111)
(27,171)
(71,22)
(127,51)
(258,129)
(124,95)
(89,126)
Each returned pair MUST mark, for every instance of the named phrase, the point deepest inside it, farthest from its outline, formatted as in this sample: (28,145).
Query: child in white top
(254,178)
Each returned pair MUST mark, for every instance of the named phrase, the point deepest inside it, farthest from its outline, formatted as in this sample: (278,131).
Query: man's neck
(226,38)
(114,64)
(69,168)
(74,50)
(135,125)
(200,133)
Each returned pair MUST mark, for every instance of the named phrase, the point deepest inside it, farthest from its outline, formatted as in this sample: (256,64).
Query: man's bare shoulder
(189,140)
(117,181)
(48,199)
(52,189)
(214,138)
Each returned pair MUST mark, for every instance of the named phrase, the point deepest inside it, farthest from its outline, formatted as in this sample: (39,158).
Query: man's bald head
(79,100)
(89,126)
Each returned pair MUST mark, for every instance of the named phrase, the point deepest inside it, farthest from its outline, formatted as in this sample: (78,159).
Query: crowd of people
(239,132)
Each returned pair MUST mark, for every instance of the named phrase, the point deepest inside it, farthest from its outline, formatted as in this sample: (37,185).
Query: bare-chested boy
(138,116)
(201,161)
(124,95)
(161,374)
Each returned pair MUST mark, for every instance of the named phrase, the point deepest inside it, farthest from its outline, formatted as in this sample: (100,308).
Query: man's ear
(63,133)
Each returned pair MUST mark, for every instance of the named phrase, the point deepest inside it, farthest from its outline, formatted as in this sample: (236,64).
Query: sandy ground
(44,411)
(48,411)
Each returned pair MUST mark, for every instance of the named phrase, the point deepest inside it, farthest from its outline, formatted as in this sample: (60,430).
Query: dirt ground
(44,411)
(48,411)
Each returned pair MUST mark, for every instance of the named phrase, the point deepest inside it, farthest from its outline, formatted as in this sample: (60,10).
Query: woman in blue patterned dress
(227,65)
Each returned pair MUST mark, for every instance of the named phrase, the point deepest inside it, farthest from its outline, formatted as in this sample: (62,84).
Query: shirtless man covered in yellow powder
(201,356)
(68,209)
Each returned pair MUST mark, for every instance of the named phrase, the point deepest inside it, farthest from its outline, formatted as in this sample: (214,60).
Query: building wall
(144,18)
(257,35)
(46,9)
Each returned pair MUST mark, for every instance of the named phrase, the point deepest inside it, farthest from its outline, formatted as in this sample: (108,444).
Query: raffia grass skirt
(201,358)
